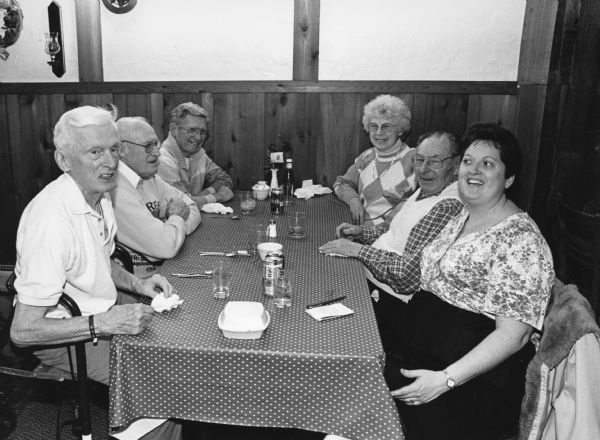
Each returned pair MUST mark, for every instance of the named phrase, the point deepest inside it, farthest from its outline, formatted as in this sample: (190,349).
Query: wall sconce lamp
(54,41)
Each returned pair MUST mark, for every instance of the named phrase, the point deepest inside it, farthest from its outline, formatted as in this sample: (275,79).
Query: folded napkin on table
(216,208)
(308,191)
(161,304)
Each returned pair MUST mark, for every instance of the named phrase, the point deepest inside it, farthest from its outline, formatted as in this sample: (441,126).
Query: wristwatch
(449,381)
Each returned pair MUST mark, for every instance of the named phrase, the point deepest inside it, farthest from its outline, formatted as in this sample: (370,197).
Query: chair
(579,251)
(562,388)
(43,371)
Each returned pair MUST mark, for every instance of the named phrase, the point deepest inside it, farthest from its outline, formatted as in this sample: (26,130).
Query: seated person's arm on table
(149,287)
(346,187)
(169,192)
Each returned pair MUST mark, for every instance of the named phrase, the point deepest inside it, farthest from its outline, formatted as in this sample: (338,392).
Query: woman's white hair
(387,106)
(78,118)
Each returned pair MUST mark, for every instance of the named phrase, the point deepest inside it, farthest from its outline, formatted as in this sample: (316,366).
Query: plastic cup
(221,278)
(257,233)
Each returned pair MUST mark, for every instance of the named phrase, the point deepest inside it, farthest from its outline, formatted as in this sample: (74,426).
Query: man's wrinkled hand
(224,194)
(126,319)
(154,285)
(357,211)
(178,207)
(341,246)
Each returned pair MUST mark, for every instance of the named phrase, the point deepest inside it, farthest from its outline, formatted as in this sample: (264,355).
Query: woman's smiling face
(384,133)
(481,176)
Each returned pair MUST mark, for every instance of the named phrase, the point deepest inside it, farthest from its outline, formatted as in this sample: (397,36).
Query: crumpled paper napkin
(162,304)
(309,191)
(216,208)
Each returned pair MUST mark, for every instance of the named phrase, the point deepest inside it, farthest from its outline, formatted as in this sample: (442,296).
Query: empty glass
(282,295)
(257,233)
(296,224)
(247,202)
(221,278)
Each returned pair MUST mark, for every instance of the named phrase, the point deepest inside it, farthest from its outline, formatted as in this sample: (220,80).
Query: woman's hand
(427,386)
(357,211)
(341,246)
(346,230)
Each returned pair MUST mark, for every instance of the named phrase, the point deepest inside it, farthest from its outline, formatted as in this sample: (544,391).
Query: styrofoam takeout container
(243,320)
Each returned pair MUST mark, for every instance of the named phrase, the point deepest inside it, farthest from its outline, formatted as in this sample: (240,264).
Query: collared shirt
(190,176)
(403,272)
(64,245)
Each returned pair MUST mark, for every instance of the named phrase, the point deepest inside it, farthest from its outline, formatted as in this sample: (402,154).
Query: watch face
(450,383)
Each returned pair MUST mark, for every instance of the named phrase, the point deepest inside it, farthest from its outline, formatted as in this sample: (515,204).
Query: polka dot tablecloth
(319,376)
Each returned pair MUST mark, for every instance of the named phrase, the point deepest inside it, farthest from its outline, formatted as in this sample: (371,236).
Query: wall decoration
(119,6)
(11,23)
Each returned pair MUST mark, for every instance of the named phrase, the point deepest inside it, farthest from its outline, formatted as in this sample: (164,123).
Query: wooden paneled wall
(321,122)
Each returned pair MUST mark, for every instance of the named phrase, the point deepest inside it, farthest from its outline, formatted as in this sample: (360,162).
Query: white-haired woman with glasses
(382,177)
(183,162)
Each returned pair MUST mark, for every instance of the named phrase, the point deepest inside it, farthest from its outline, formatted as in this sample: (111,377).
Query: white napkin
(309,191)
(161,304)
(329,311)
(216,208)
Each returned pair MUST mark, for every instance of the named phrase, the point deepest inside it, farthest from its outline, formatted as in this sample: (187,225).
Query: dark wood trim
(89,40)
(441,87)
(306,40)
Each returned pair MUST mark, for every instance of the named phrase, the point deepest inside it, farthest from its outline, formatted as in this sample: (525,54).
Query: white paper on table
(329,311)
(216,208)
(161,304)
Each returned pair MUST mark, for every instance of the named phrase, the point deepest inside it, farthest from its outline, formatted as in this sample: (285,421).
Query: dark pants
(428,333)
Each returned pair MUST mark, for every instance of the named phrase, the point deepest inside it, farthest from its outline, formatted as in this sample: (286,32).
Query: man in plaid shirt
(391,253)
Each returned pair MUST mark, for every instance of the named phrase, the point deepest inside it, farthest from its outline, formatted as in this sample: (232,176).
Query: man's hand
(346,230)
(224,194)
(357,211)
(126,319)
(153,286)
(178,207)
(341,246)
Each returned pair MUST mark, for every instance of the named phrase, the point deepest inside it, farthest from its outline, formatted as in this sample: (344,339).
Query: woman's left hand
(427,386)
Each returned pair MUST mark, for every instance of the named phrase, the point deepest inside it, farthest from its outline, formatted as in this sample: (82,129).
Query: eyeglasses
(148,147)
(195,131)
(435,164)
(385,128)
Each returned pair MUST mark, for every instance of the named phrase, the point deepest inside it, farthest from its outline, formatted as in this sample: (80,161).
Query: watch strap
(450,382)
(93,330)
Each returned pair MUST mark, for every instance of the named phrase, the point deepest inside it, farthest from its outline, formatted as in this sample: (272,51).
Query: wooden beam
(89,40)
(396,87)
(306,40)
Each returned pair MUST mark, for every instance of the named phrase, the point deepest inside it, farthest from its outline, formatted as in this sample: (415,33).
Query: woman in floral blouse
(464,340)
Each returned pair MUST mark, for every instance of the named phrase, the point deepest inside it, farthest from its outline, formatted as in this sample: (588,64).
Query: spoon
(226,254)
(193,275)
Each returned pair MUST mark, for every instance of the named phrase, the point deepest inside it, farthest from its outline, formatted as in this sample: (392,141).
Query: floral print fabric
(506,270)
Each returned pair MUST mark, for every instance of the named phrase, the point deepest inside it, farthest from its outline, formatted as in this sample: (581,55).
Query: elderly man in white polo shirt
(153,217)
(64,242)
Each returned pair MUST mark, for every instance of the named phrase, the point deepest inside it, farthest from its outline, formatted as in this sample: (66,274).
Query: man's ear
(172,128)
(509,182)
(62,160)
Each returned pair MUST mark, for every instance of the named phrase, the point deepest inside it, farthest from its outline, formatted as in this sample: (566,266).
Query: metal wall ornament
(119,6)
(11,24)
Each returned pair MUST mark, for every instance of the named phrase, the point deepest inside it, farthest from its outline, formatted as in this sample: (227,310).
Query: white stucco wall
(470,40)
(211,40)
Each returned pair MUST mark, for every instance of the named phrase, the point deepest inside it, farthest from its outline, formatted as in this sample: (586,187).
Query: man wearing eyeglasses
(153,217)
(183,162)
(391,253)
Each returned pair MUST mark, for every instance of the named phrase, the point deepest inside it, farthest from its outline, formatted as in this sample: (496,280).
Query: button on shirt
(64,245)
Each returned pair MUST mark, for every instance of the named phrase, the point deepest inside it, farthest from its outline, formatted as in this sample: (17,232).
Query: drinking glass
(283,289)
(257,233)
(296,224)
(221,278)
(247,202)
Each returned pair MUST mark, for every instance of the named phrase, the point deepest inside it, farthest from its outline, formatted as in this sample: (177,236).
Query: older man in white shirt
(64,242)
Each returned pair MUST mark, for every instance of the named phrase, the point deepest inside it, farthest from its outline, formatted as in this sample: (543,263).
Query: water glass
(247,202)
(296,224)
(283,289)
(257,233)
(221,278)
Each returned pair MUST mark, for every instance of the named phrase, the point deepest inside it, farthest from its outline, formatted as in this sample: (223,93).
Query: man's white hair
(78,118)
